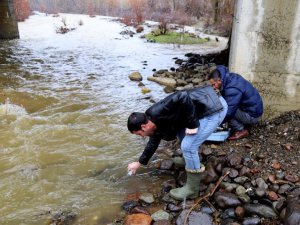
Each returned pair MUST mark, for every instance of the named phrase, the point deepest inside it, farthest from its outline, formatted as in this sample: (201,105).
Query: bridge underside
(8,22)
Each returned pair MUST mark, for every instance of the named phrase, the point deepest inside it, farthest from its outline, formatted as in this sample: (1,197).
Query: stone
(195,218)
(128,205)
(251,221)
(137,219)
(234,160)
(135,76)
(226,200)
(292,214)
(163,81)
(260,210)
(239,212)
(272,196)
(166,164)
(147,197)
(284,188)
(241,180)
(160,215)
(240,190)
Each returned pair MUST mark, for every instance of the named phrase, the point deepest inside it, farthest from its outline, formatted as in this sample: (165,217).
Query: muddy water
(64,145)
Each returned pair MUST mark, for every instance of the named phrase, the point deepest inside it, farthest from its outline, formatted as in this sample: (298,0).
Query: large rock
(195,218)
(226,200)
(138,219)
(163,81)
(260,210)
(292,215)
(135,76)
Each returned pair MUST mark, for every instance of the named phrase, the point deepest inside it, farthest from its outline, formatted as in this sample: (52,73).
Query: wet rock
(229,187)
(140,209)
(226,200)
(240,190)
(244,171)
(292,215)
(147,197)
(173,208)
(135,76)
(260,192)
(207,209)
(228,213)
(138,219)
(241,180)
(128,205)
(244,199)
(284,189)
(251,221)
(160,215)
(169,89)
(272,196)
(195,218)
(274,187)
(260,210)
(234,160)
(167,164)
(261,183)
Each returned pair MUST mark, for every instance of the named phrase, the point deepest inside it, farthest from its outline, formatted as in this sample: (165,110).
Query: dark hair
(135,121)
(215,74)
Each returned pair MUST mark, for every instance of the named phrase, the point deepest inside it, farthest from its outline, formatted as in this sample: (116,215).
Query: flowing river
(64,144)
(65,99)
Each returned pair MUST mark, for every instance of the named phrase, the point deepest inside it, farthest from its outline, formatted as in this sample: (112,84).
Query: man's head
(215,79)
(139,124)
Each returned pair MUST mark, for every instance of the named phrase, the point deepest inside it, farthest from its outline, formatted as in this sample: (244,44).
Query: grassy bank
(175,38)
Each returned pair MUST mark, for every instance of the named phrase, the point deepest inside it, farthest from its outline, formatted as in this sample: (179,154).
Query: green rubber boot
(190,190)
(179,161)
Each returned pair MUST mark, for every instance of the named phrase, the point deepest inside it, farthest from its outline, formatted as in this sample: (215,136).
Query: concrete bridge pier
(8,22)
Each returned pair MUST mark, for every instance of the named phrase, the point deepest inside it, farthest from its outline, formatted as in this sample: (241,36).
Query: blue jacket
(239,94)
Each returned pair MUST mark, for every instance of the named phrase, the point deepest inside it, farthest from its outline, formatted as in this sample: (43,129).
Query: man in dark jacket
(245,106)
(191,115)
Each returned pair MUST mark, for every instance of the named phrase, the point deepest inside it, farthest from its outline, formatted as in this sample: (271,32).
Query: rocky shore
(251,181)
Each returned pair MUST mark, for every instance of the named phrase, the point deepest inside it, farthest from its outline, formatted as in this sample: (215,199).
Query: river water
(64,145)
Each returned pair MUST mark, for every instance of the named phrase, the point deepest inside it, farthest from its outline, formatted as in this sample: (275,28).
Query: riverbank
(255,180)
(263,175)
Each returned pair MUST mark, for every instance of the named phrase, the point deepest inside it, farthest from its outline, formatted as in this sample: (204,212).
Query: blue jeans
(240,119)
(190,143)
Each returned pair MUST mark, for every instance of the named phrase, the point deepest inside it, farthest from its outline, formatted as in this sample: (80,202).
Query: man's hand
(191,131)
(133,167)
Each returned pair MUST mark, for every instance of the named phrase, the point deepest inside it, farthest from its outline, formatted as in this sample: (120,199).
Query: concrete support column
(265,49)
(8,22)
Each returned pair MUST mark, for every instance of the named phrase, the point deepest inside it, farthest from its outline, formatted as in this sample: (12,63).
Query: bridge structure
(8,23)
(265,48)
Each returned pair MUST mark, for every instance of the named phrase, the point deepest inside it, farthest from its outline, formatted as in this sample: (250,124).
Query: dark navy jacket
(239,94)
(180,110)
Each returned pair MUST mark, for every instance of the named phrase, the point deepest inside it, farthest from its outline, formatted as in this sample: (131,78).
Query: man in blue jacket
(191,115)
(245,106)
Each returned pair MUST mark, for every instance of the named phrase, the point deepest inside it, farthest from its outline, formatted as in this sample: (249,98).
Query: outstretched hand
(191,131)
(132,167)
